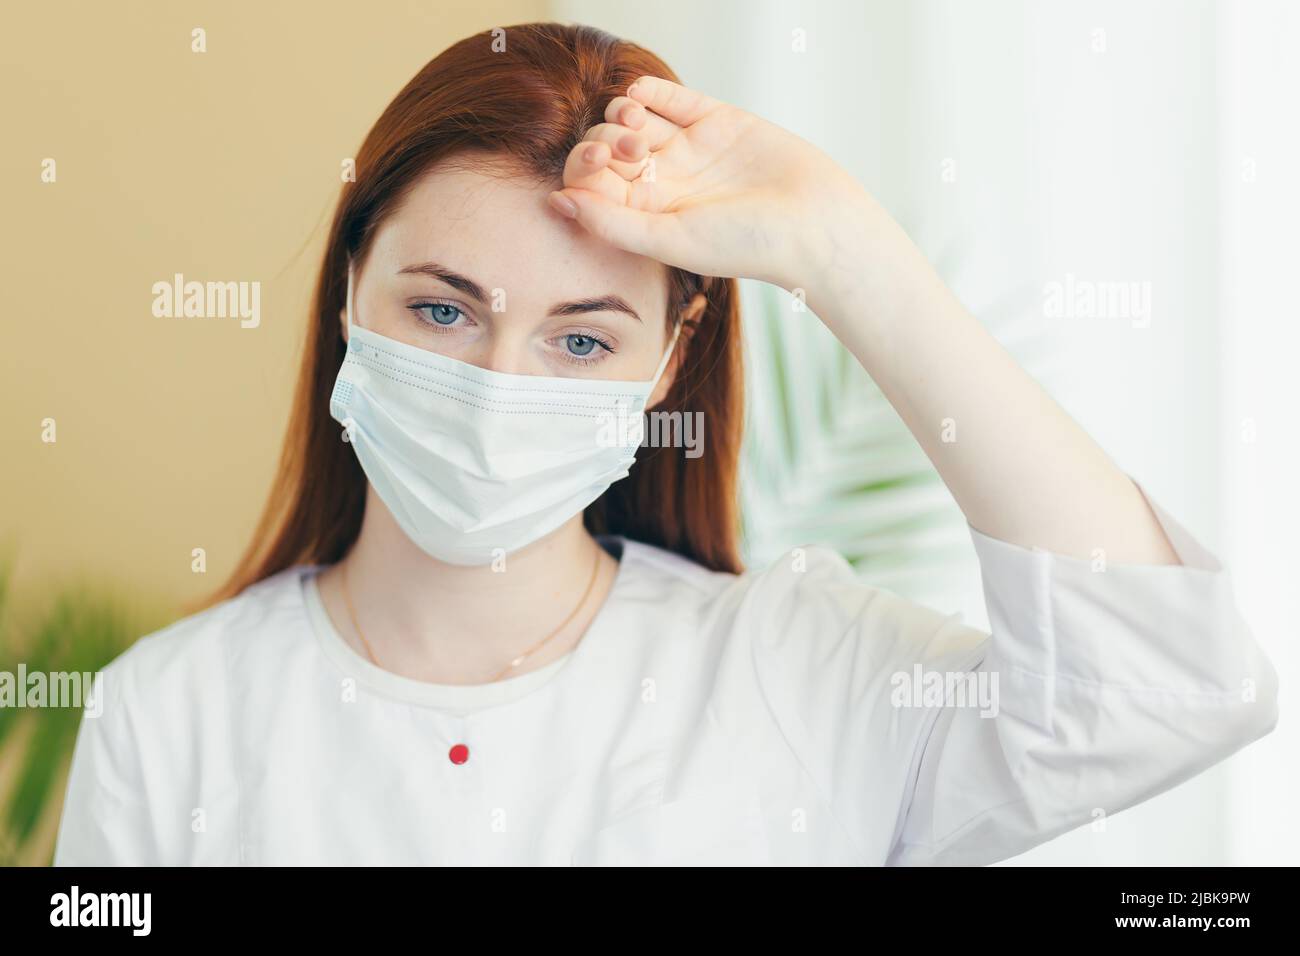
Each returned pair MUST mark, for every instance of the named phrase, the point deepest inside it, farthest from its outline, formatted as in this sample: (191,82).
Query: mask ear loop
(672,343)
(668,353)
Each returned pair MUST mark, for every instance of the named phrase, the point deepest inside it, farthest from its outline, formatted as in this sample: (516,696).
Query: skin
(675,177)
(451,624)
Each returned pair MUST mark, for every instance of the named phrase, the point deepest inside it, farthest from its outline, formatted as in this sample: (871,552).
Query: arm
(1111,687)
(1018,466)
(1087,724)
(1095,691)
(733,195)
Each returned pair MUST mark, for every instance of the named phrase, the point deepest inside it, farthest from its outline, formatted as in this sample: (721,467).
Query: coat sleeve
(1112,684)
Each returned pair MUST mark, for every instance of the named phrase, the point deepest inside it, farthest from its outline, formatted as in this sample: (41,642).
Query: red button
(458,754)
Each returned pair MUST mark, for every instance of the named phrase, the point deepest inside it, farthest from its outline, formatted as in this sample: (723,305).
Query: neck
(457,624)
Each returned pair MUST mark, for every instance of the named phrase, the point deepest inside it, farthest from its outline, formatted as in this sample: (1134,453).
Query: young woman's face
(475,265)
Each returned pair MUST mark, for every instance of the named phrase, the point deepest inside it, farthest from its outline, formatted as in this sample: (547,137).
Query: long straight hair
(528,94)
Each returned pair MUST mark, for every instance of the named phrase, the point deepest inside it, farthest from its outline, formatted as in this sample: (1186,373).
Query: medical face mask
(474,463)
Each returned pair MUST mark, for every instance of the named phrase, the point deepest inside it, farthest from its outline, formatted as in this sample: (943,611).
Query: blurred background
(1029,148)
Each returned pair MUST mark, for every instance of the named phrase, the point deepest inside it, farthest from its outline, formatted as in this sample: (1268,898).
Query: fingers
(628,112)
(630,132)
(588,167)
(672,101)
(628,148)
(615,223)
(602,190)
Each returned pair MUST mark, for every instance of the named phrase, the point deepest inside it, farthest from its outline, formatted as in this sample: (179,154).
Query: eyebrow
(467,286)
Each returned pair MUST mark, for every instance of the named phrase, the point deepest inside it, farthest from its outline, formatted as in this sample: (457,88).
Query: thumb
(619,225)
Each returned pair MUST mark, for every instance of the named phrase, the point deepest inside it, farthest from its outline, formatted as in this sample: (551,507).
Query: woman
(472,630)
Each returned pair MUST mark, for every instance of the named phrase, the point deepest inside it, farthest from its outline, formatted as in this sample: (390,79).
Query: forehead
(491,223)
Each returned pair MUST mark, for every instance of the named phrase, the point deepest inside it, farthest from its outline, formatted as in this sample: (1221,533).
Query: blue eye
(580,344)
(583,348)
(437,313)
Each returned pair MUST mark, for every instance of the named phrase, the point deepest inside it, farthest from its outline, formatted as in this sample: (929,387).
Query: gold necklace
(352,616)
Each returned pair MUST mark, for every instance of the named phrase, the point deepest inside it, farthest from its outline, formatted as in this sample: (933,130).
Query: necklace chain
(352,616)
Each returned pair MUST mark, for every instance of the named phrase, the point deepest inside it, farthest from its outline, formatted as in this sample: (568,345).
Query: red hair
(530,102)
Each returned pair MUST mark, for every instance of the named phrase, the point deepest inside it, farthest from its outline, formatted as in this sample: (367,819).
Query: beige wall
(221,165)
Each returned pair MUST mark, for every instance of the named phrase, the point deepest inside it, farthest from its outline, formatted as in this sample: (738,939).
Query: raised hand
(705,186)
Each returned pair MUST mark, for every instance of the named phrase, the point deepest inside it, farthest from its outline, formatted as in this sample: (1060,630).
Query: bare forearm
(1018,466)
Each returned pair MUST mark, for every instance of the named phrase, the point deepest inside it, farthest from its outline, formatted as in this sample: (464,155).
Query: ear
(691,316)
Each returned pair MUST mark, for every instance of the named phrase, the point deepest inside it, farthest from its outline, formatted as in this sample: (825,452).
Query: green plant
(77,630)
